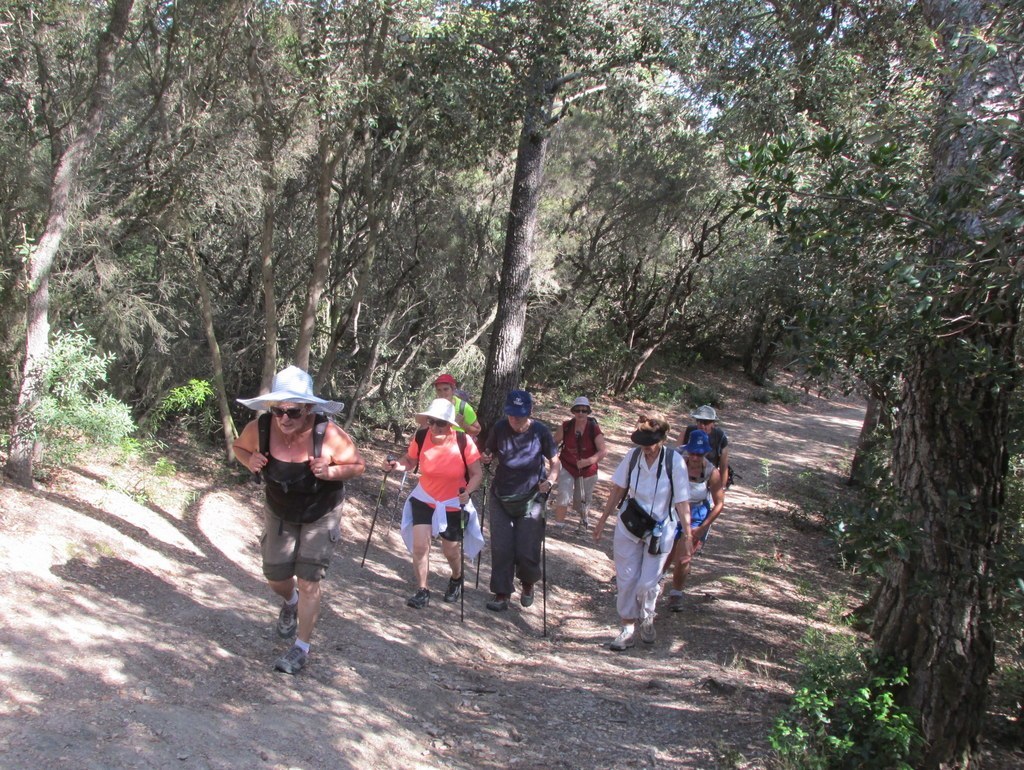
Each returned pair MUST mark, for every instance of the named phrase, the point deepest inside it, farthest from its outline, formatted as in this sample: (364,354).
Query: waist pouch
(638,522)
(516,506)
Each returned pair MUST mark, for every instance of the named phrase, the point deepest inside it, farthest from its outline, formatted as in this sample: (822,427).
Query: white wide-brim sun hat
(440,409)
(293,386)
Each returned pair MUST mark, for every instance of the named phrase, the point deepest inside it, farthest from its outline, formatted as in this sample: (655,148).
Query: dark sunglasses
(581,410)
(432,421)
(294,413)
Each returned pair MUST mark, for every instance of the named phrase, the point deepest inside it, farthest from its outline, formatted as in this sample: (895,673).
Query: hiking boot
(454,590)
(288,620)
(675,601)
(499,603)
(292,661)
(420,599)
(526,596)
(624,640)
(647,632)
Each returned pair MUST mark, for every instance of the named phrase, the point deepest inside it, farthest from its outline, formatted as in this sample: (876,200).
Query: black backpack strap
(634,458)
(263,424)
(419,438)
(460,437)
(669,451)
(319,431)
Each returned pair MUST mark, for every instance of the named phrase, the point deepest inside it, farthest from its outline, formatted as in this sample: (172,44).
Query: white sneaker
(647,632)
(624,640)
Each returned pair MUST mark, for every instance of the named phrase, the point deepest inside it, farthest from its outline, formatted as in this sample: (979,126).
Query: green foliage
(191,405)
(843,716)
(775,394)
(74,412)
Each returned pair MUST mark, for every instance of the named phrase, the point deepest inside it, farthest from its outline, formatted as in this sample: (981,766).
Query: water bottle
(655,547)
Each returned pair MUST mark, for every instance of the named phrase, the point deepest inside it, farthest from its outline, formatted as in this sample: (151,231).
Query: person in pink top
(449,468)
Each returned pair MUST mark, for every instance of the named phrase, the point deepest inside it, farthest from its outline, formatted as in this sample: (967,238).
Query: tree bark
(950,453)
(217,362)
(865,442)
(40,262)
(504,355)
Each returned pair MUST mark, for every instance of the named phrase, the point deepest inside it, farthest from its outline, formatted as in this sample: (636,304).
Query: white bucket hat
(706,412)
(440,409)
(292,385)
(581,401)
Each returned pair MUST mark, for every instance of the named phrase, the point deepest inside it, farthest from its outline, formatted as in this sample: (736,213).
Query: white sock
(304,646)
(295,597)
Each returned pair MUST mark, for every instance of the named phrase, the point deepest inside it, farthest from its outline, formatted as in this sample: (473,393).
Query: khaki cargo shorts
(300,550)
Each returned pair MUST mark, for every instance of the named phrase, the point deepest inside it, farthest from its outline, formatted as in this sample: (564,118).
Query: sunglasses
(294,413)
(439,423)
(581,410)
(705,422)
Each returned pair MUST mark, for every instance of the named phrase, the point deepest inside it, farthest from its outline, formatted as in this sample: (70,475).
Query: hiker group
(664,499)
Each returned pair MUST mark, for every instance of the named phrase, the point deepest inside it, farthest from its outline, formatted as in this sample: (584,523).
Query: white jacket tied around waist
(474,538)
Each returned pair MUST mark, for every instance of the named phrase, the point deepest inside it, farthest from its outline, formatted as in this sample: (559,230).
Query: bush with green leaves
(75,411)
(843,716)
(192,405)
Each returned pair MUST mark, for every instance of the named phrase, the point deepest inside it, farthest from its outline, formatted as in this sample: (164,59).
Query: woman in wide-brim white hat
(449,468)
(304,494)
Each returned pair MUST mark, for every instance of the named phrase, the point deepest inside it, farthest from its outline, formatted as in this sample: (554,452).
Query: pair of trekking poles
(464,519)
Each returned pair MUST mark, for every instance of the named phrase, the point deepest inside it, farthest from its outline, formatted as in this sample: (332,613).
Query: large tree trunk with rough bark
(950,444)
(40,262)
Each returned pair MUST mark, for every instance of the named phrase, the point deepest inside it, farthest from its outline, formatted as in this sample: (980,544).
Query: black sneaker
(420,599)
(454,590)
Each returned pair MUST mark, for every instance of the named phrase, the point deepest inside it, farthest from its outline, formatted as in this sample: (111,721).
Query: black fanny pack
(516,506)
(637,521)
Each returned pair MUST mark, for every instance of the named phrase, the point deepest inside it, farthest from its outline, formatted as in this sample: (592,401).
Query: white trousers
(637,575)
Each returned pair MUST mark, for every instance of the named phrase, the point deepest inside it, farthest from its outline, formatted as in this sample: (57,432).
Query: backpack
(319,429)
(460,437)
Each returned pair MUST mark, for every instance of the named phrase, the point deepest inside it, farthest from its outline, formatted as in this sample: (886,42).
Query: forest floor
(139,632)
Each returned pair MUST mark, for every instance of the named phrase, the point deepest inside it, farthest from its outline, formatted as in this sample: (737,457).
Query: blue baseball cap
(518,403)
(699,443)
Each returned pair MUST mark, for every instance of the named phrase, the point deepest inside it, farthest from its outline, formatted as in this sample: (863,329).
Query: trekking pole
(398,502)
(483,519)
(544,562)
(462,559)
(380,496)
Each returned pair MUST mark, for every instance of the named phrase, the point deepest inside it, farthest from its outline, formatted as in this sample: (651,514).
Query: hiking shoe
(584,522)
(454,590)
(675,601)
(420,599)
(526,596)
(292,661)
(647,632)
(499,603)
(624,640)
(288,620)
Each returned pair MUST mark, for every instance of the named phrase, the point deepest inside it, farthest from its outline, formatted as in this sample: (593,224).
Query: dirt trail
(140,631)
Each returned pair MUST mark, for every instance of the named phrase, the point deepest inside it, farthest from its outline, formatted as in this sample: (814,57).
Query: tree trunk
(865,442)
(935,607)
(40,261)
(950,452)
(504,355)
(328,158)
(219,388)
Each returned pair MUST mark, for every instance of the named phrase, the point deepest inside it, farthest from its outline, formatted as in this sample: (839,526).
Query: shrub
(842,715)
(73,410)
